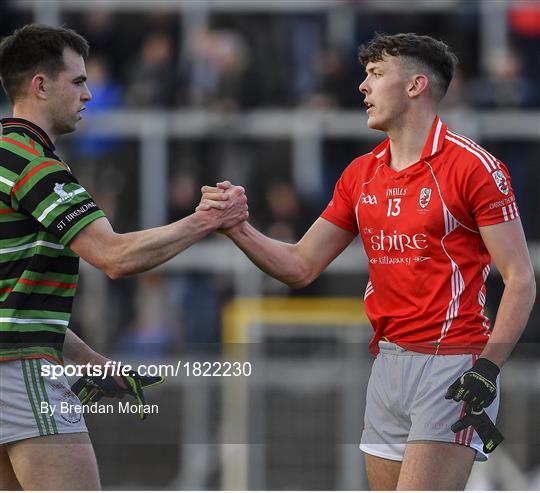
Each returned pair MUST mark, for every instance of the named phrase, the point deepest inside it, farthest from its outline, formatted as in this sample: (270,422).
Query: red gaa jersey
(427,261)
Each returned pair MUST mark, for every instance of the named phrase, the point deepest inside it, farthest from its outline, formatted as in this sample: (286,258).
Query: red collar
(433,145)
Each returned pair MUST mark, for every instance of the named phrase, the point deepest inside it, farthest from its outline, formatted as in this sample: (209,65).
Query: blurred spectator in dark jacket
(183,195)
(191,295)
(286,217)
(215,72)
(524,23)
(301,38)
(504,85)
(152,80)
(106,38)
(337,82)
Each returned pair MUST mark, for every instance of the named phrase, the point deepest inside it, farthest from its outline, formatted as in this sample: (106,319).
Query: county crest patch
(59,190)
(500,181)
(425,197)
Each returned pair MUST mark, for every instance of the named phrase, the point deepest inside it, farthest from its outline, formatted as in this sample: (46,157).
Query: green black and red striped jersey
(42,208)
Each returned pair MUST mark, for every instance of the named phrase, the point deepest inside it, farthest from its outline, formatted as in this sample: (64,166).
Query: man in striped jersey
(48,220)
(432,208)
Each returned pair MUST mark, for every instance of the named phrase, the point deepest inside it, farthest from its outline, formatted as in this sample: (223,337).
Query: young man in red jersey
(432,209)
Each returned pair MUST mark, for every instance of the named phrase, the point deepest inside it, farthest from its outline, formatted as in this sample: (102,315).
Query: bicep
(322,243)
(507,246)
(95,243)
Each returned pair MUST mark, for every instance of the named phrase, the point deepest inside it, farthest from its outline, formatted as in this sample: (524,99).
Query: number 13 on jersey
(393,207)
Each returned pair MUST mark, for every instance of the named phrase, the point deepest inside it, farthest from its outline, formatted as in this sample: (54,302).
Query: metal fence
(296,421)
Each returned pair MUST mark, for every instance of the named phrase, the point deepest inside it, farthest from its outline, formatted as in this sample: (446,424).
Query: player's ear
(39,86)
(417,85)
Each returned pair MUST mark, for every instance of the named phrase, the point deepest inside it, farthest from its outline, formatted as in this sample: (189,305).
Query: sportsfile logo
(398,242)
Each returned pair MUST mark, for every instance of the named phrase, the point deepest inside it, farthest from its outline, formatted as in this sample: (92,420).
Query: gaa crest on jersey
(368,199)
(425,197)
(500,181)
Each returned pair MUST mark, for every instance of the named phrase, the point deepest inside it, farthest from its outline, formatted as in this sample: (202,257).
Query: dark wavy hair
(423,52)
(34,48)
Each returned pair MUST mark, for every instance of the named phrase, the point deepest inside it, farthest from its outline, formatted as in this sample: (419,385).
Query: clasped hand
(228,203)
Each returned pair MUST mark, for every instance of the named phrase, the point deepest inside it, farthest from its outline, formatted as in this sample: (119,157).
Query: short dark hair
(34,48)
(429,53)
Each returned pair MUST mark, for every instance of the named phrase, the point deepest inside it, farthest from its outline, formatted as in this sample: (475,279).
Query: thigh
(386,424)
(55,462)
(382,474)
(8,480)
(435,466)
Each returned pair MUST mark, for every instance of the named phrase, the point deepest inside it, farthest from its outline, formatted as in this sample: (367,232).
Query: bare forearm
(276,258)
(76,350)
(514,309)
(143,250)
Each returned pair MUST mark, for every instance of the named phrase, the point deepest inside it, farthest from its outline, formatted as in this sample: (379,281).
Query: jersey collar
(433,145)
(435,140)
(20,125)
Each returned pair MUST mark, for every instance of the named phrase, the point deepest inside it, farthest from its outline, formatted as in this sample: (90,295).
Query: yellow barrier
(239,316)
(240,313)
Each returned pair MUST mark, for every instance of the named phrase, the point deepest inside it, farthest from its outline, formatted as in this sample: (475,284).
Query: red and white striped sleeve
(487,187)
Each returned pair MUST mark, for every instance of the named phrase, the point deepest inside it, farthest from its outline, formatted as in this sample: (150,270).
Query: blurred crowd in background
(242,62)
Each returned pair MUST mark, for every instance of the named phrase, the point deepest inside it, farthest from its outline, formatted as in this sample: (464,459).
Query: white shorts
(405,402)
(31,404)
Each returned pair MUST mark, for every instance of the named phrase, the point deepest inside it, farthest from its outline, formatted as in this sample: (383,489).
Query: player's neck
(407,139)
(26,112)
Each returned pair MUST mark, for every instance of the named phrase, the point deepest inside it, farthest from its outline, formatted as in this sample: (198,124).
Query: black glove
(488,433)
(477,386)
(92,389)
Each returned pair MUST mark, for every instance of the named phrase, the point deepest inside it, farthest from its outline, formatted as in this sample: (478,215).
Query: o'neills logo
(500,181)
(400,242)
(425,197)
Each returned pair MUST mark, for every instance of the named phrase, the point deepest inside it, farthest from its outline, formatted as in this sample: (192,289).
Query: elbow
(305,270)
(531,288)
(109,252)
(528,279)
(300,283)
(296,284)
(114,274)
(120,260)
(304,278)
(116,266)
(113,271)
(523,281)
(532,284)
(118,269)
